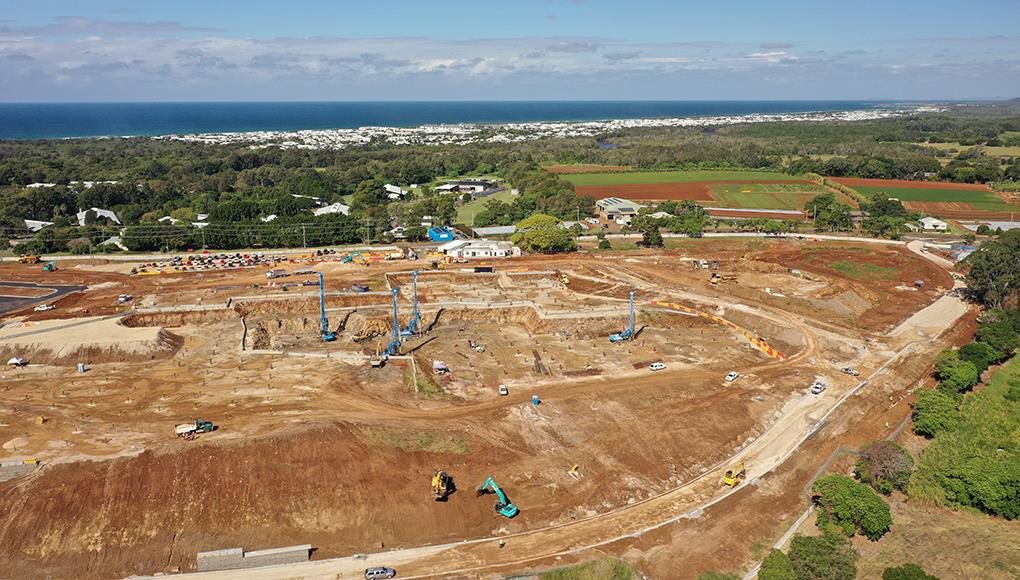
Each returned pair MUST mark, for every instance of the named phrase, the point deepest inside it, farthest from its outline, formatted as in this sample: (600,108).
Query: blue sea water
(63,120)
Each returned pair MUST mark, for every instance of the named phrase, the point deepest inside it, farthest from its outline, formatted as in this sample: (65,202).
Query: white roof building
(99,212)
(468,249)
(930,223)
(36,225)
(394,192)
(166,219)
(660,214)
(612,208)
(333,208)
(38,185)
(268,218)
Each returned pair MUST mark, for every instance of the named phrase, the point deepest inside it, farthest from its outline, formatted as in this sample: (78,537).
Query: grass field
(1012,151)
(604,569)
(466,213)
(863,270)
(766,196)
(981,200)
(672,177)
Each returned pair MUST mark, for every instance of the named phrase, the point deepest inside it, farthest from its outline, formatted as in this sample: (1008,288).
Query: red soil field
(862,182)
(959,210)
(587,168)
(693,190)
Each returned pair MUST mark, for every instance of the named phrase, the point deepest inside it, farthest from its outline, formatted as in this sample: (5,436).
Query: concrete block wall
(236,558)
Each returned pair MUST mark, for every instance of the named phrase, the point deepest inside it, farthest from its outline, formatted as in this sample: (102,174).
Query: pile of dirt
(162,344)
(178,319)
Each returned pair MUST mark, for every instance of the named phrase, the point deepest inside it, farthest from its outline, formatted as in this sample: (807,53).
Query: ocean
(67,120)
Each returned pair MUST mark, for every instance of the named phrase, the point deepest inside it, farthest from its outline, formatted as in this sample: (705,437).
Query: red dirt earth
(862,182)
(693,190)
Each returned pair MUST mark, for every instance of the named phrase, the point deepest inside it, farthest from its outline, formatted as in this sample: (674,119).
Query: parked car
(732,376)
(818,387)
(44,307)
(380,572)
(657,366)
(850,371)
(503,390)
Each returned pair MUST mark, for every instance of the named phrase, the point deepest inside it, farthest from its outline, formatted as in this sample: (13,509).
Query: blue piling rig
(394,346)
(327,336)
(628,333)
(413,326)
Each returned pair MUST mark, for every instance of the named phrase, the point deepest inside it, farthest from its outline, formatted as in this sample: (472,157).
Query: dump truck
(442,485)
(29,259)
(193,429)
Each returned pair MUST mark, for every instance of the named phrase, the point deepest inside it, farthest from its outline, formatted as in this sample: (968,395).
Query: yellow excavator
(734,475)
(442,485)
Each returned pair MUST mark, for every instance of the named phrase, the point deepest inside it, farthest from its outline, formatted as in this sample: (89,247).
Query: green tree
(884,466)
(652,238)
(415,233)
(826,557)
(934,412)
(851,506)
(542,233)
(994,275)
(776,566)
(907,572)
(980,354)
(604,244)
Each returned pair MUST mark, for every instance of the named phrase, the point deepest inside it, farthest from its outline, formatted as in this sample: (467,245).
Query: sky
(339,50)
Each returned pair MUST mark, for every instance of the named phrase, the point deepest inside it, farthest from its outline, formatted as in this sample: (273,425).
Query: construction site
(668,407)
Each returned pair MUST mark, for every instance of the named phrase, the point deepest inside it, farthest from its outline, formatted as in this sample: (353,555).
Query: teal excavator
(503,505)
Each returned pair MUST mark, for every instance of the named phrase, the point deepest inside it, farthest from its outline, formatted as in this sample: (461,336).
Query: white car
(819,387)
(732,376)
(44,307)
(657,366)
(503,390)
(850,371)
(593,221)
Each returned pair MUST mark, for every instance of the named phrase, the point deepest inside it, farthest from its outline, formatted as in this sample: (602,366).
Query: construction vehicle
(442,485)
(627,333)
(50,267)
(716,277)
(503,505)
(29,259)
(413,325)
(734,475)
(327,335)
(192,430)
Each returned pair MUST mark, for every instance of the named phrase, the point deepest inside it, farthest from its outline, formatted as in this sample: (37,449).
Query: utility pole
(304,237)
(368,232)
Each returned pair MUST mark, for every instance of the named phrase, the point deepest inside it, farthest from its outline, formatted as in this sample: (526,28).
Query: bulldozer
(734,475)
(716,278)
(29,259)
(442,485)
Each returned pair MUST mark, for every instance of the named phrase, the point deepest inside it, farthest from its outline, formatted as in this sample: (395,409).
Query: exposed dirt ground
(332,452)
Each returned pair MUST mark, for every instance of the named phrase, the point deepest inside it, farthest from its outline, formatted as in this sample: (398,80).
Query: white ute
(818,387)
(656,366)
(44,307)
(732,376)
(503,390)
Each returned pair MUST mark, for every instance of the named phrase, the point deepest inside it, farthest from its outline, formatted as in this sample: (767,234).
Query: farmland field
(952,200)
(595,179)
(767,195)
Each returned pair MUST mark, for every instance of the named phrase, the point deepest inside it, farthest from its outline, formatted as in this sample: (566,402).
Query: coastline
(468,133)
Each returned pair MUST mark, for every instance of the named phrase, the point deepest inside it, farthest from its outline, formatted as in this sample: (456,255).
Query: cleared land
(316,446)
(640,177)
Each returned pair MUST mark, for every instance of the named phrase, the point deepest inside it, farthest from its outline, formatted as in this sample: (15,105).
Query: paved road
(8,303)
